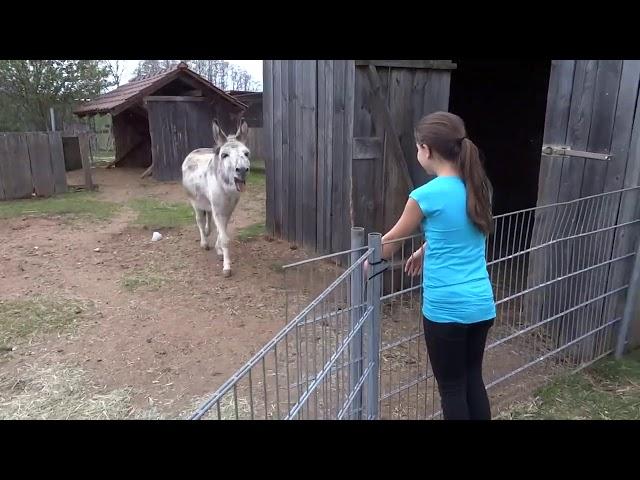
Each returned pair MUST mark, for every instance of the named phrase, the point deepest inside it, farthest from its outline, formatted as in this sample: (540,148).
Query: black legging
(456,351)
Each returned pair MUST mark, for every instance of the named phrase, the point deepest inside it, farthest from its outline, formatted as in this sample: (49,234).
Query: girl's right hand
(413,266)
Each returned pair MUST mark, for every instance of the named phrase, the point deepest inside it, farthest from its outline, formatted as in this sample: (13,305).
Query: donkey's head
(232,156)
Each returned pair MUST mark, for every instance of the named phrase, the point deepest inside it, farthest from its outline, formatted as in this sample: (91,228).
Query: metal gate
(353,347)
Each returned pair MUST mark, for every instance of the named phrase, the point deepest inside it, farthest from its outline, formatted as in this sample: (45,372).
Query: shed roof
(133,92)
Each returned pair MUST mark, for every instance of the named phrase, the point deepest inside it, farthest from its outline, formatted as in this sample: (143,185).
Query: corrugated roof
(134,92)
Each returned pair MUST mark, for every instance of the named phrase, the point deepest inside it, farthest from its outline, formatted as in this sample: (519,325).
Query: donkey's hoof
(226,273)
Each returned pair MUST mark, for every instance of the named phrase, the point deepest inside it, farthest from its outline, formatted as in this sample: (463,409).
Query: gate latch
(563,151)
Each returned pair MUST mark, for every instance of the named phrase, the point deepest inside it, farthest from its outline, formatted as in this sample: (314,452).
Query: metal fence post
(631,305)
(374,291)
(357,298)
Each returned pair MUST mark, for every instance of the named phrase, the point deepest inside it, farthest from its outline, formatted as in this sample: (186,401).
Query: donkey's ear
(219,136)
(243,131)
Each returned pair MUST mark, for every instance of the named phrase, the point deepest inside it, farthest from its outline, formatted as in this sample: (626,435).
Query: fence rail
(561,274)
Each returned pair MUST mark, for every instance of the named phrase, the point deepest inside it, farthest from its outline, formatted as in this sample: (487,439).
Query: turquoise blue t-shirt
(456,285)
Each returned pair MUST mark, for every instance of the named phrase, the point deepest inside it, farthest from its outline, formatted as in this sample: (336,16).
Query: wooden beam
(83,140)
(425,64)
(147,172)
(379,103)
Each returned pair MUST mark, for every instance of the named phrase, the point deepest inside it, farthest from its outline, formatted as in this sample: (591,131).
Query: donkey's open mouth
(241,185)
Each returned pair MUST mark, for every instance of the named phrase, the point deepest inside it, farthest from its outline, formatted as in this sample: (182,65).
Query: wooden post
(83,141)
(631,306)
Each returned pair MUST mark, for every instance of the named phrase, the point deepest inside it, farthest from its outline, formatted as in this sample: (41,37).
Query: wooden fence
(31,163)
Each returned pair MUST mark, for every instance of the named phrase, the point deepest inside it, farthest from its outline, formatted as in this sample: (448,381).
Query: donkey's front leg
(202,228)
(222,242)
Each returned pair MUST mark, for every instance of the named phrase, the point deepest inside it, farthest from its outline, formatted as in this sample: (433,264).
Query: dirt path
(164,322)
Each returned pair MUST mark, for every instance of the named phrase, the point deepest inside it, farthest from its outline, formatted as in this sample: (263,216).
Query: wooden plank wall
(256,143)
(592,107)
(308,112)
(31,163)
(379,190)
(177,128)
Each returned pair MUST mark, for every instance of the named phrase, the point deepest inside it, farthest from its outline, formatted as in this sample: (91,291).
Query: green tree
(29,88)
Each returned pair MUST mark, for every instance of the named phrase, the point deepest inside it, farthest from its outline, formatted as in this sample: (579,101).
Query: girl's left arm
(406,225)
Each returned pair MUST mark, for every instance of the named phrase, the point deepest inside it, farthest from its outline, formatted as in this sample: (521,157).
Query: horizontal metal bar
(327,368)
(540,359)
(407,386)
(554,317)
(332,314)
(355,391)
(550,282)
(594,360)
(553,352)
(325,257)
(529,290)
(401,341)
(491,346)
(337,367)
(401,239)
(558,240)
(395,294)
(568,202)
(267,348)
(566,151)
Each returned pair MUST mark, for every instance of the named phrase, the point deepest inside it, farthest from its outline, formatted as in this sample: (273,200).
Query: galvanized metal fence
(353,347)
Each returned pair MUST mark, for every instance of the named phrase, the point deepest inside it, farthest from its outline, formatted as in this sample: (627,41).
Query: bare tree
(115,69)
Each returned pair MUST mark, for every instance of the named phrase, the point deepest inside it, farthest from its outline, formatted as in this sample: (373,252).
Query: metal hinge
(562,151)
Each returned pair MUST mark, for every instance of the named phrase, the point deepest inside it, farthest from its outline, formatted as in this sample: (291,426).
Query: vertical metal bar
(374,290)
(251,394)
(315,354)
(235,399)
(631,305)
(275,355)
(323,326)
(264,378)
(357,241)
(288,384)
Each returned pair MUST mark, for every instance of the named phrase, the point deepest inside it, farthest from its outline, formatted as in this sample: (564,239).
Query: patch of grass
(142,280)
(21,319)
(609,390)
(257,179)
(80,204)
(155,214)
(251,232)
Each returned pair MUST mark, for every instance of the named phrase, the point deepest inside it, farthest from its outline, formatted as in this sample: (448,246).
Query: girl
(454,210)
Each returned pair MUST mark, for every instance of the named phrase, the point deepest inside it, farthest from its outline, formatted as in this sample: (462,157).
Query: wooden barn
(253,100)
(341,150)
(254,117)
(561,143)
(159,119)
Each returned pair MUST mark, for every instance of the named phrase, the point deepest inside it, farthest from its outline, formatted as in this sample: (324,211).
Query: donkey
(214,178)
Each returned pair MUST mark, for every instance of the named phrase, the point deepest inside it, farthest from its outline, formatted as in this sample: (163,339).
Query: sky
(254,67)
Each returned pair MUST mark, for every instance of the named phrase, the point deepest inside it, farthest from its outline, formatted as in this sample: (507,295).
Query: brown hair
(445,134)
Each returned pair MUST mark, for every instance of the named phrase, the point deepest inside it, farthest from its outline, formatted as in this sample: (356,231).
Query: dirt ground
(159,328)
(169,345)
